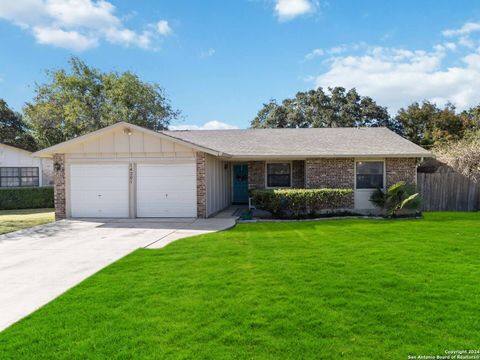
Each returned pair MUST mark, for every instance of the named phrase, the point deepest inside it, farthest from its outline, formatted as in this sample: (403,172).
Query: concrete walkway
(40,263)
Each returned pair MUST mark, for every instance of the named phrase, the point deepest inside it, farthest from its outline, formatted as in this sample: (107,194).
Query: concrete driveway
(40,263)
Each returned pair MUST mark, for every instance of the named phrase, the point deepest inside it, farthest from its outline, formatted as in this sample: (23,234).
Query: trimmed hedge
(26,198)
(301,202)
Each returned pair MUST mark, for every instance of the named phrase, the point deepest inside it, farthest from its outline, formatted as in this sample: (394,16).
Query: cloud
(335,50)
(79,25)
(396,77)
(72,40)
(164,28)
(290,9)
(207,53)
(211,125)
(466,29)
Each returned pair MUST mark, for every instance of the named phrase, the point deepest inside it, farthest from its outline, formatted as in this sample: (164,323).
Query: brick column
(201,186)
(401,169)
(256,175)
(59,186)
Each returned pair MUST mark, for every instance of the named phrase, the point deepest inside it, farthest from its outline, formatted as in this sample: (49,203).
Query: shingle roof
(309,142)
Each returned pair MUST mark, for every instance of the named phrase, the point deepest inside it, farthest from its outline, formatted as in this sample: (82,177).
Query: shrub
(399,196)
(26,198)
(301,202)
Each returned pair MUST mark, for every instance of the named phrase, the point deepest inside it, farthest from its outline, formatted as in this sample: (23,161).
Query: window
(369,174)
(18,176)
(278,175)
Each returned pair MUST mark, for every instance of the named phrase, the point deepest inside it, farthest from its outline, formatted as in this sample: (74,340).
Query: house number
(130,173)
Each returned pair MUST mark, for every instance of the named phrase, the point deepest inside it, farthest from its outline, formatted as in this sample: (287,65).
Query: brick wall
(335,173)
(201,185)
(298,174)
(401,169)
(256,174)
(59,186)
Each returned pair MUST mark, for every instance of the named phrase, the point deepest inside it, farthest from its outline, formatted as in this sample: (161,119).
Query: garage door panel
(99,190)
(166,190)
(173,184)
(167,170)
(92,184)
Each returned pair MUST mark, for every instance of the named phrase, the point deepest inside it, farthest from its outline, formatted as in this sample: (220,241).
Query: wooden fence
(448,191)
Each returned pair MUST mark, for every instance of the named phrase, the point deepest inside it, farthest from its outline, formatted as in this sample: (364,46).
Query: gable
(123,139)
(11,156)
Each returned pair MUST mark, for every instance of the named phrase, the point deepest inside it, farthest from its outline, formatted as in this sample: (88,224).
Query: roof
(303,142)
(276,143)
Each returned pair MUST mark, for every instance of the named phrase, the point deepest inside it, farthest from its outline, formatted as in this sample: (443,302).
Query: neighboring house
(127,171)
(18,168)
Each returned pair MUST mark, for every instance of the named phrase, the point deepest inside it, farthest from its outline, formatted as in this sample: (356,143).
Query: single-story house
(127,171)
(18,168)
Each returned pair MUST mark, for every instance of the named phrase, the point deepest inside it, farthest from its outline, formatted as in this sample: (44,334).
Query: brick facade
(298,174)
(337,173)
(256,174)
(400,169)
(59,186)
(201,185)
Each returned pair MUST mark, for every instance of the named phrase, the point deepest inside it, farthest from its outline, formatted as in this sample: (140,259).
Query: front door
(240,184)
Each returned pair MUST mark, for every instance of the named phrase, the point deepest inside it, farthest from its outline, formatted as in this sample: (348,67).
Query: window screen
(369,174)
(278,175)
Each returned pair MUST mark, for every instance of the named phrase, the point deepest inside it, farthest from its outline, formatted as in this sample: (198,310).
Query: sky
(219,61)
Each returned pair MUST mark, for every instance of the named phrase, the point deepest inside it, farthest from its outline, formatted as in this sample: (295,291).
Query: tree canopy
(13,129)
(83,99)
(318,108)
(426,124)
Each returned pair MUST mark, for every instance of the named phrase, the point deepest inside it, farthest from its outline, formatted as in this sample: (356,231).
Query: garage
(99,190)
(166,190)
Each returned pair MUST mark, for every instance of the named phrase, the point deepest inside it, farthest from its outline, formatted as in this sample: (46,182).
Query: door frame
(232,165)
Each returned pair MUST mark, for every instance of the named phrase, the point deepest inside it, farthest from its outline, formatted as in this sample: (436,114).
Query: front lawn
(13,220)
(352,289)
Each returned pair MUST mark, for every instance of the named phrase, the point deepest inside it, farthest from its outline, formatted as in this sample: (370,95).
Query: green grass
(353,289)
(13,220)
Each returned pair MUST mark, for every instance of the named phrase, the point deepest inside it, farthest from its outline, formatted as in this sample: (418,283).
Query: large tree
(84,99)
(426,124)
(13,130)
(317,108)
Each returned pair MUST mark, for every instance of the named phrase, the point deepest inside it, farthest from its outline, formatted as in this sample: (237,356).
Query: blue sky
(220,60)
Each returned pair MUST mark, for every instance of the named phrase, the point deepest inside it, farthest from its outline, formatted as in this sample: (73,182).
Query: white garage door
(99,190)
(166,190)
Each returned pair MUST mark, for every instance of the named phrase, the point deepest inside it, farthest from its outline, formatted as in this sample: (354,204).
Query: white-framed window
(369,174)
(279,174)
(19,176)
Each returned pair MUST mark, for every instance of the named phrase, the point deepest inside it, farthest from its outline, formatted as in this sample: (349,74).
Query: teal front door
(240,184)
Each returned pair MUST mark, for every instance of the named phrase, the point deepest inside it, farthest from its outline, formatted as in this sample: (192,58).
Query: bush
(301,202)
(398,197)
(26,198)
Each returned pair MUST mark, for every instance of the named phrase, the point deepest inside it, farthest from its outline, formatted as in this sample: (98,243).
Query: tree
(85,99)
(317,108)
(13,129)
(428,125)
(462,155)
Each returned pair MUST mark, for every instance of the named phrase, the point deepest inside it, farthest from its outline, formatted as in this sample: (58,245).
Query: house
(127,171)
(18,168)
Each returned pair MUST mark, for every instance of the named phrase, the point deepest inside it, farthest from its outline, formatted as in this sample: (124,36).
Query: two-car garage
(132,189)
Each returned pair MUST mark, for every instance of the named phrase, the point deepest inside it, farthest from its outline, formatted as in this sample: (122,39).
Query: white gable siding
(117,144)
(14,157)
